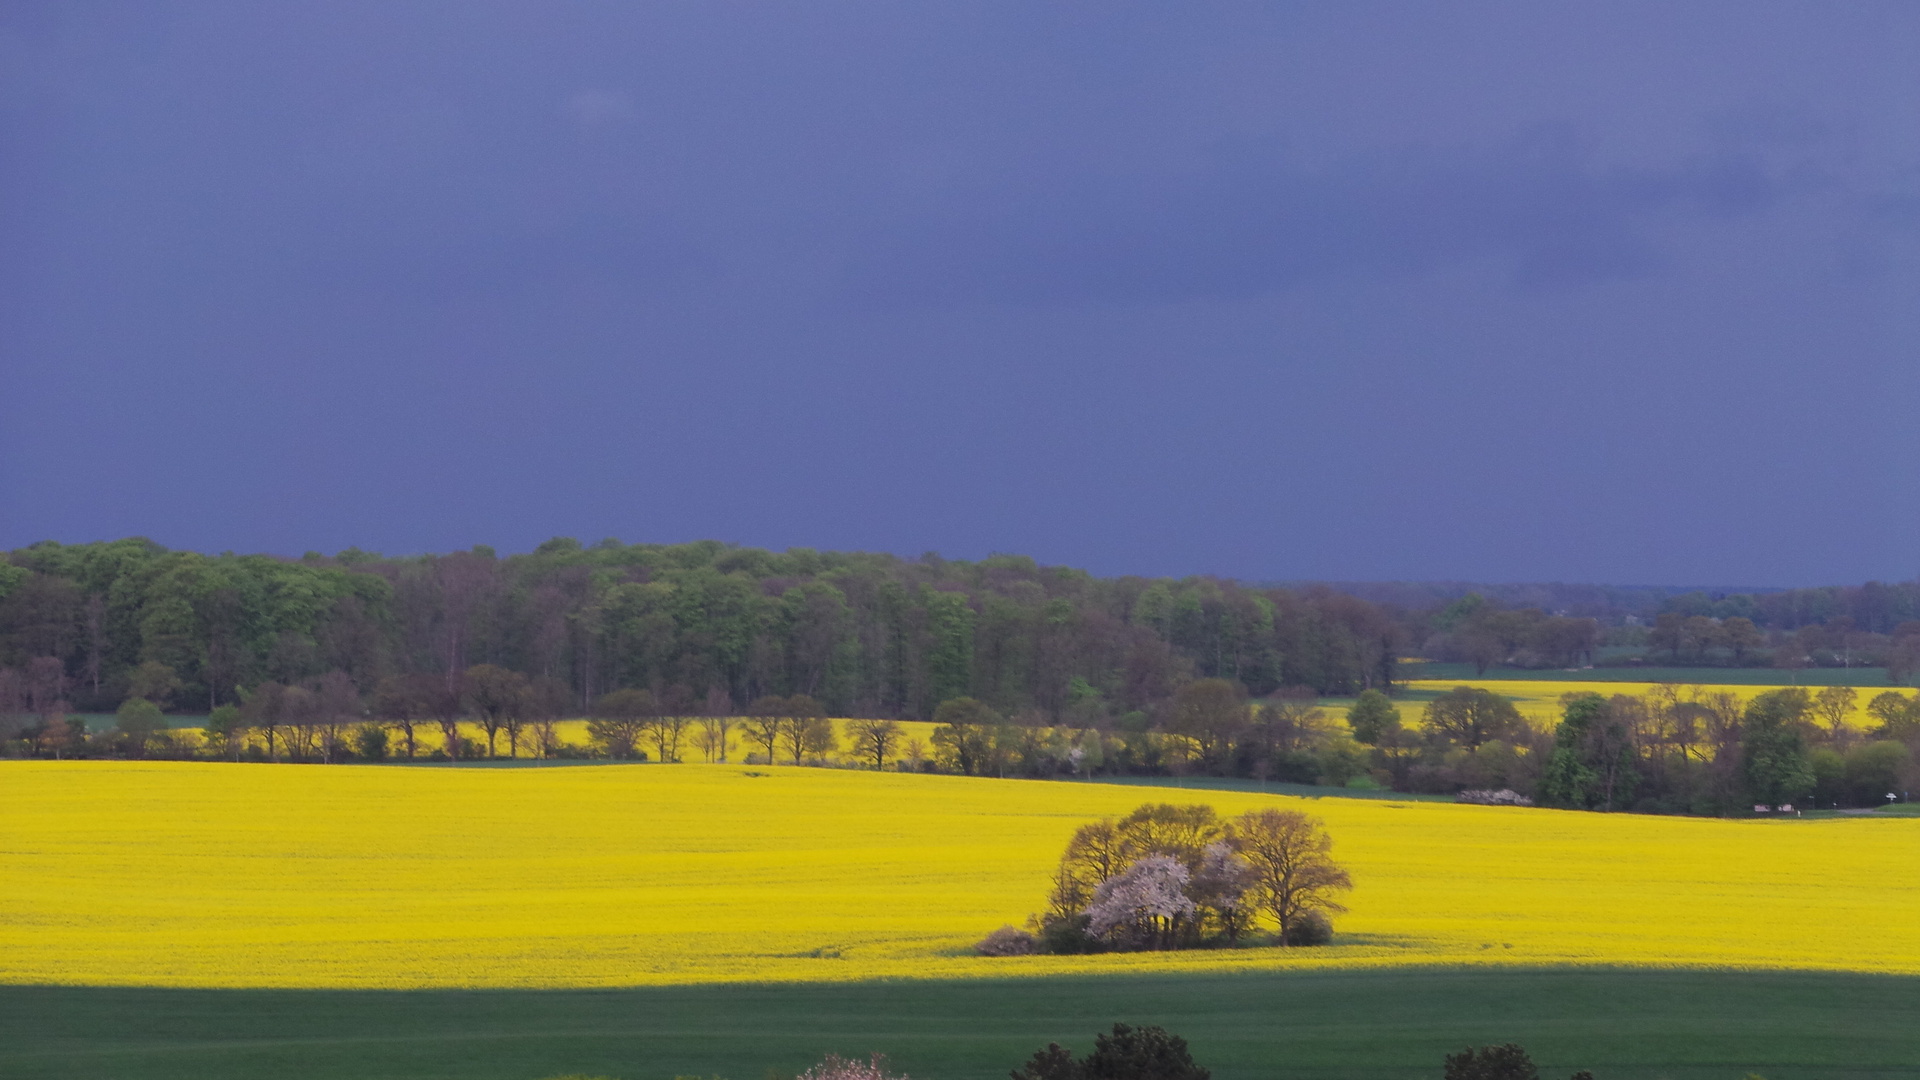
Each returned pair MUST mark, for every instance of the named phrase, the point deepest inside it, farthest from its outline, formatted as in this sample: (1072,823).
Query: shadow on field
(1686,1025)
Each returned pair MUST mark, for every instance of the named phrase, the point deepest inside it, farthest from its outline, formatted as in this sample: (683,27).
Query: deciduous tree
(1472,716)
(1372,716)
(137,720)
(1292,860)
(873,738)
(498,698)
(1834,706)
(619,718)
(766,719)
(1210,713)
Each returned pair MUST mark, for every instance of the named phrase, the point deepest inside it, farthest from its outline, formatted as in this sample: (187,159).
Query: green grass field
(1682,1025)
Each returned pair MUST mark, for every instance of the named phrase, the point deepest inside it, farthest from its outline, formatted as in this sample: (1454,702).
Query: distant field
(1537,693)
(1272,1025)
(1539,700)
(185,874)
(1859,677)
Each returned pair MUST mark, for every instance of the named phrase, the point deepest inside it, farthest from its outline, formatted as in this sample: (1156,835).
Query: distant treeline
(1873,608)
(86,627)
(864,634)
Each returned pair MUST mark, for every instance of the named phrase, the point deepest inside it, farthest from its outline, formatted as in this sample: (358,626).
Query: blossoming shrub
(1006,941)
(835,1067)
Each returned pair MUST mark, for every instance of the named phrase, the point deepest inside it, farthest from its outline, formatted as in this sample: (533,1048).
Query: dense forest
(864,634)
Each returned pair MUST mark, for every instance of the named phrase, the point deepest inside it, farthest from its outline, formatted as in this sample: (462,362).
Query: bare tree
(1292,860)
(46,687)
(818,737)
(801,728)
(260,711)
(1834,706)
(498,698)
(874,738)
(668,723)
(766,720)
(466,580)
(442,699)
(96,618)
(13,703)
(1293,722)
(399,701)
(1209,713)
(1096,853)
(300,717)
(718,721)
(337,705)
(547,699)
(619,718)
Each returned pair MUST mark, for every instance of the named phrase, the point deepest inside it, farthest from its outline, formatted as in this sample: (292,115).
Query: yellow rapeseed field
(1539,699)
(207,874)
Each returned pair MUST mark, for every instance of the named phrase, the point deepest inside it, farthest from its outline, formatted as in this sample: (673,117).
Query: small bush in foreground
(1313,928)
(1130,1053)
(1508,1061)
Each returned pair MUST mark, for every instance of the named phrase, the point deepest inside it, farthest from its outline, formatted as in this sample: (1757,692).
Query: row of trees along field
(92,625)
(1677,750)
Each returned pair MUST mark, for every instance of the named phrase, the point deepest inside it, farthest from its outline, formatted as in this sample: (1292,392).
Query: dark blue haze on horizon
(1616,292)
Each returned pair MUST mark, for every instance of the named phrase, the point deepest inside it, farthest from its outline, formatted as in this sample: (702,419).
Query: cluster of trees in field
(1173,877)
(1678,749)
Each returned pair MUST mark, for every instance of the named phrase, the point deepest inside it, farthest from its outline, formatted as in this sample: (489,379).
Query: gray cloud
(1251,222)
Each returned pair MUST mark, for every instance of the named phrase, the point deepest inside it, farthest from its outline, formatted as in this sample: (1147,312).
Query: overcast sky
(1597,292)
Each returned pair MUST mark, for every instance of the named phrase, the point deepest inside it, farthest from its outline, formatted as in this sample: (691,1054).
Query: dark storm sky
(1602,292)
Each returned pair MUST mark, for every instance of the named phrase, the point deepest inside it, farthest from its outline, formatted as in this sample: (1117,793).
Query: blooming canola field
(212,874)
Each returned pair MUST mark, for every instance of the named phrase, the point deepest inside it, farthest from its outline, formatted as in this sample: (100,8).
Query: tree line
(1679,749)
(1475,630)
(92,625)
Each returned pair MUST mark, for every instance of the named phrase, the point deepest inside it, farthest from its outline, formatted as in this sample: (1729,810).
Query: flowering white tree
(1147,903)
(835,1067)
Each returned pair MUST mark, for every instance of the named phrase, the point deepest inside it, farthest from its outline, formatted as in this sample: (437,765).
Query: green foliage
(1312,928)
(1872,770)
(11,577)
(1774,763)
(224,720)
(1130,1053)
(1472,715)
(138,719)
(370,742)
(1372,716)
(860,632)
(1593,760)
(1508,1061)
